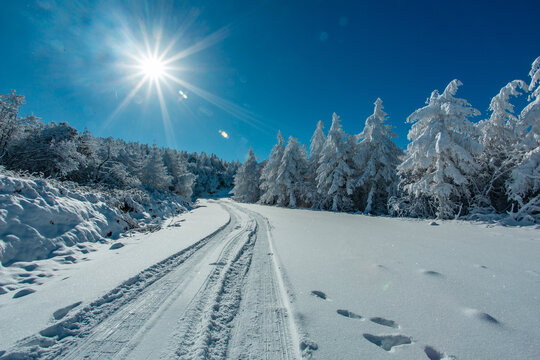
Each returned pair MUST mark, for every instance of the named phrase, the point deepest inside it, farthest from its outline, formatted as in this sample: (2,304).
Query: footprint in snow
(433,354)
(30,267)
(116,246)
(384,322)
(432,273)
(480,266)
(319,294)
(23,292)
(348,314)
(482,316)
(60,313)
(387,342)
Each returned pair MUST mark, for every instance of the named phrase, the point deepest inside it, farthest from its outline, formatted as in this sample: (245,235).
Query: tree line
(452,167)
(59,151)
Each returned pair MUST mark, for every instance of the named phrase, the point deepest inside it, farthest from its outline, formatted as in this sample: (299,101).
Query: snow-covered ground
(92,275)
(248,282)
(462,289)
(45,223)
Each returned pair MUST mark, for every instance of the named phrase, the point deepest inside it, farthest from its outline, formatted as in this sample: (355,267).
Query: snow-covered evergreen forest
(59,151)
(455,166)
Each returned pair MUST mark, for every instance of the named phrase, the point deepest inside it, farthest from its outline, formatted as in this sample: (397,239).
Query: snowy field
(466,290)
(237,281)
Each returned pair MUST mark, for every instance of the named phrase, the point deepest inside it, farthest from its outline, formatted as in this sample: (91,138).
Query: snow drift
(40,217)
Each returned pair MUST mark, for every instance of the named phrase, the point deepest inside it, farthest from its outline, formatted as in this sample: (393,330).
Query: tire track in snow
(208,323)
(67,336)
(205,318)
(263,329)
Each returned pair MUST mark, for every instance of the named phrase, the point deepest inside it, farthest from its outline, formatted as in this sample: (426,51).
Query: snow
(93,274)
(38,218)
(233,280)
(461,289)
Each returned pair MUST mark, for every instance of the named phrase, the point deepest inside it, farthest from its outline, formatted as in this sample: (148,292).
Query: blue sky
(253,67)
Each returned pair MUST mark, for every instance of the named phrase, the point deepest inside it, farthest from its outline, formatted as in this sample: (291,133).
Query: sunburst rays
(157,67)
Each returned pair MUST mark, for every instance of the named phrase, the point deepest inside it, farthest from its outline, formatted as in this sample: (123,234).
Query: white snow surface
(243,281)
(38,216)
(458,289)
(95,273)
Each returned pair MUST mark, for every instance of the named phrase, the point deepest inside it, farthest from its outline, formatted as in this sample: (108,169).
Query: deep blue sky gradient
(287,64)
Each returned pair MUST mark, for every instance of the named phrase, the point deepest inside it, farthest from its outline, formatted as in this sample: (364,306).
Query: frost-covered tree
(439,163)
(153,173)
(524,184)
(377,158)
(317,142)
(9,119)
(291,176)
(51,150)
(499,138)
(270,189)
(182,179)
(246,180)
(335,176)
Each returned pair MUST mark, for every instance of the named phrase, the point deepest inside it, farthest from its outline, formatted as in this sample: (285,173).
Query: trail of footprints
(387,342)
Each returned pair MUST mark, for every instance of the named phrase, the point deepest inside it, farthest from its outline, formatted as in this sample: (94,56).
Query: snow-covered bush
(39,217)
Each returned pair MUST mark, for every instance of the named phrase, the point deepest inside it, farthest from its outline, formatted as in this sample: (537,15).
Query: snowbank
(38,216)
(47,219)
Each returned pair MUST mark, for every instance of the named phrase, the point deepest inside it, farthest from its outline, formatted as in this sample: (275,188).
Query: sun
(152,67)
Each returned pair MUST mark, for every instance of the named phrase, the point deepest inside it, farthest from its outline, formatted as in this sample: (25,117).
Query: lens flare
(182,95)
(224,134)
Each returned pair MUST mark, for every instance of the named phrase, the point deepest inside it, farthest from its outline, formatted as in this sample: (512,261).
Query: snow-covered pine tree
(377,159)
(291,177)
(524,185)
(269,187)
(182,179)
(439,163)
(311,196)
(335,177)
(153,173)
(246,180)
(499,139)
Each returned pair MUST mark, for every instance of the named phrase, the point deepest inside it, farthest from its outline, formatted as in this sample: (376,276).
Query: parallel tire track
(62,336)
(186,306)
(217,305)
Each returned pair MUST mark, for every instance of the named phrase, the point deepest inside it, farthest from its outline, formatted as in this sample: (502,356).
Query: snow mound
(38,216)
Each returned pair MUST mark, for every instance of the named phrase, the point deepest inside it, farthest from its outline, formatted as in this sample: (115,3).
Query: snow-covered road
(200,303)
(259,282)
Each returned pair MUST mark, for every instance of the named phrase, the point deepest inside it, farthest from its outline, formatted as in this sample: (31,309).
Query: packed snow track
(221,298)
